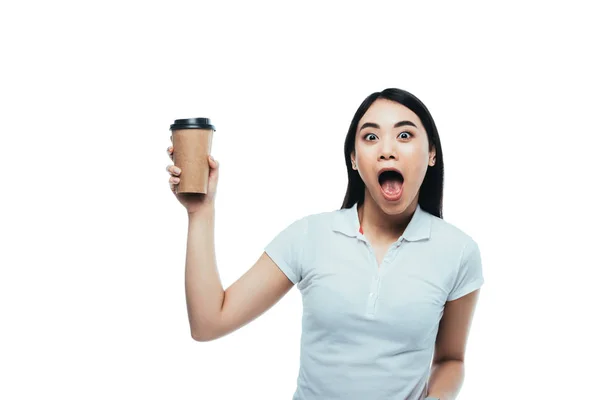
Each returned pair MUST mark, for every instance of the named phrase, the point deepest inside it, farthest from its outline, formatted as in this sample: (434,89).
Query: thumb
(214,164)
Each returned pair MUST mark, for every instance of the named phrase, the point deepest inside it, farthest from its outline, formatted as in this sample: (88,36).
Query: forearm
(203,288)
(446,379)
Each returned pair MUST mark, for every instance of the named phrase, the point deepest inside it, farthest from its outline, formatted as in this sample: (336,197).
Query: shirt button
(370,294)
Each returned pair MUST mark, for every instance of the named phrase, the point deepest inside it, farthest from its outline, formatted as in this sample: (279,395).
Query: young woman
(389,288)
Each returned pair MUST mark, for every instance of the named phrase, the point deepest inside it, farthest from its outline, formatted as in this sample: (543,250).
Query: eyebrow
(396,125)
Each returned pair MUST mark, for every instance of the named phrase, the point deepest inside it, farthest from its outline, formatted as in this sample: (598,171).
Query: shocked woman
(388,287)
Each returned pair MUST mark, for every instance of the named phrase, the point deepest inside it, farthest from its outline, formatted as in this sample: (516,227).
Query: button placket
(375,286)
(375,283)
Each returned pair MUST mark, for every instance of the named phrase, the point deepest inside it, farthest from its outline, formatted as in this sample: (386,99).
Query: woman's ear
(432,158)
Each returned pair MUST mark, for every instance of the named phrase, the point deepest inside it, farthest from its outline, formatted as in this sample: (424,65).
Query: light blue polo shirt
(369,332)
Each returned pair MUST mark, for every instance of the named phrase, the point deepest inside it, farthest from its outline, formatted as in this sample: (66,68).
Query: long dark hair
(432,188)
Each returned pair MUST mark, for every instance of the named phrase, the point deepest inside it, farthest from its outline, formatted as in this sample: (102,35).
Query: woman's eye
(373,135)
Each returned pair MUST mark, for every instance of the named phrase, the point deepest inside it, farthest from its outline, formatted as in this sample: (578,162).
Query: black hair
(432,188)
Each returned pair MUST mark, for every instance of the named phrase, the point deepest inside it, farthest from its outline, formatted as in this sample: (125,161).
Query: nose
(387,150)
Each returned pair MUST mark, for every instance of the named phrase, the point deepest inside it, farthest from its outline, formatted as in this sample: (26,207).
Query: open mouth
(391,184)
(390,175)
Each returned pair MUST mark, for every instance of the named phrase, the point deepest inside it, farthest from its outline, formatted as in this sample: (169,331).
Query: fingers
(173,170)
(173,181)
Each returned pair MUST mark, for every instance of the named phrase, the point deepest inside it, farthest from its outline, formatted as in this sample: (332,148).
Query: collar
(346,221)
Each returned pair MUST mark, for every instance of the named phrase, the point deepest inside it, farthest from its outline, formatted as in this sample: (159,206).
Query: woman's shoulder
(449,231)
(323,220)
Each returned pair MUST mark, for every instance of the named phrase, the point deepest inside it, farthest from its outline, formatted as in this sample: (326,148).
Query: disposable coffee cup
(192,142)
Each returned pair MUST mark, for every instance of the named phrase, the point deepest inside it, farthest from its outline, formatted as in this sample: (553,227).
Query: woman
(389,288)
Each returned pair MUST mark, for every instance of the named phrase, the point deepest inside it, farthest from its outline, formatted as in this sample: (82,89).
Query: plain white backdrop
(92,301)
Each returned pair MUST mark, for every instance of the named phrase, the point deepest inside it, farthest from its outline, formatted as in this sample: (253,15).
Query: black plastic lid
(192,123)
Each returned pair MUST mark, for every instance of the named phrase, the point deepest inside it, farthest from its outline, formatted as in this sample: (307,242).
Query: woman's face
(391,135)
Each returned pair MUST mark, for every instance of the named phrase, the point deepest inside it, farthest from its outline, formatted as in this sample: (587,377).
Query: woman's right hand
(194,202)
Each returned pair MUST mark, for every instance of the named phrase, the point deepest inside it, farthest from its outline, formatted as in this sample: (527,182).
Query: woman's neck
(376,223)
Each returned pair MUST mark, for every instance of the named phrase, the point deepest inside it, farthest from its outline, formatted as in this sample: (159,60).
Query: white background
(92,294)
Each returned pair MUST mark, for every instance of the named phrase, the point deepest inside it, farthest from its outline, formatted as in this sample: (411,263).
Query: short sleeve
(286,249)
(470,274)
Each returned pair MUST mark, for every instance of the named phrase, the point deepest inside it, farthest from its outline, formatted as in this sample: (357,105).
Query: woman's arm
(212,311)
(447,371)
(203,288)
